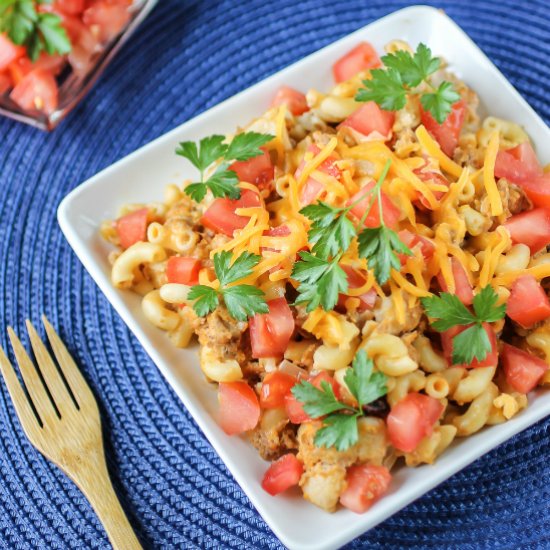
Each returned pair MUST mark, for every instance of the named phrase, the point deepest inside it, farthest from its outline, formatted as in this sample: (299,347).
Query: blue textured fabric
(187,57)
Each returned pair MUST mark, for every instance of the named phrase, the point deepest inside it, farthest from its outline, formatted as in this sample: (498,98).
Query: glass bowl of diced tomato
(52,52)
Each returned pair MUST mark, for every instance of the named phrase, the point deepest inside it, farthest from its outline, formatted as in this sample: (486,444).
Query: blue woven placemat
(187,57)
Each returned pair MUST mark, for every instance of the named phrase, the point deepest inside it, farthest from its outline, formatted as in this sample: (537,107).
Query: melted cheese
(489,176)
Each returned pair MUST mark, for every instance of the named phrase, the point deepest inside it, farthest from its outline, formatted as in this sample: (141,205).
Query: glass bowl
(73,87)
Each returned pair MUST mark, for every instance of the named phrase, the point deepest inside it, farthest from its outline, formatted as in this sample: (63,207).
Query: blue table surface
(185,58)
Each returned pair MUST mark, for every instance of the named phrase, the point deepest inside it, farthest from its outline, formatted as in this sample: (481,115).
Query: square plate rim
(520,423)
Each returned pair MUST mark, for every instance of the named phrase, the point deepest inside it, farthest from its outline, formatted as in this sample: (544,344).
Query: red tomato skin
(446,134)
(220,216)
(257,170)
(239,407)
(132,227)
(463,288)
(538,190)
(275,387)
(282,474)
(324,376)
(531,228)
(293,99)
(371,118)
(271,332)
(72,7)
(183,270)
(412,419)
(528,303)
(295,410)
(518,164)
(37,91)
(523,371)
(447,344)
(9,52)
(410,239)
(359,59)
(365,485)
(390,212)
(356,280)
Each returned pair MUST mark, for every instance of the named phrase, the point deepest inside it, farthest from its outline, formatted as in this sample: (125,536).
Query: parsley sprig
(340,423)
(37,31)
(451,312)
(331,233)
(242,301)
(223,182)
(403,73)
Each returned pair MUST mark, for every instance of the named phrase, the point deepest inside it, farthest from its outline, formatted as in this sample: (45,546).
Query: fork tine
(55,383)
(35,387)
(79,387)
(20,402)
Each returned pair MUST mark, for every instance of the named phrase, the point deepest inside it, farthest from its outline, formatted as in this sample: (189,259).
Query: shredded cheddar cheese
(489,176)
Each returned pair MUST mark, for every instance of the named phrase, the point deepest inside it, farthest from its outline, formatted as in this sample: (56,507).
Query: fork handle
(96,485)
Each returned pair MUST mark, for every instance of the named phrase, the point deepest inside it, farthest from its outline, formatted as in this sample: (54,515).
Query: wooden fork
(61,419)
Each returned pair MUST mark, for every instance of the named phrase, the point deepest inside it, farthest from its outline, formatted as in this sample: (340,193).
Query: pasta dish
(363,269)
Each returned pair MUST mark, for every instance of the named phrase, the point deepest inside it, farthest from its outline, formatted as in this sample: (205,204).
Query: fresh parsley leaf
(449,311)
(485,306)
(228,272)
(473,342)
(469,344)
(317,402)
(385,88)
(210,149)
(247,145)
(38,32)
(440,102)
(413,69)
(380,246)
(223,182)
(364,384)
(403,73)
(339,430)
(206,299)
(321,280)
(244,301)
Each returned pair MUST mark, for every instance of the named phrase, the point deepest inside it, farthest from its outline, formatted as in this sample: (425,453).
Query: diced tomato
(518,164)
(356,280)
(72,7)
(324,376)
(293,99)
(132,227)
(528,303)
(312,188)
(271,332)
(295,410)
(359,59)
(523,371)
(239,407)
(275,387)
(183,270)
(412,419)
(23,66)
(390,211)
(106,19)
(365,485)
(220,216)
(531,228)
(369,119)
(5,82)
(9,52)
(434,177)
(446,134)
(37,91)
(538,190)
(463,288)
(257,170)
(447,344)
(282,474)
(410,239)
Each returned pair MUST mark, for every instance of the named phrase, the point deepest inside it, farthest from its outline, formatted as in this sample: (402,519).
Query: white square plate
(141,177)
